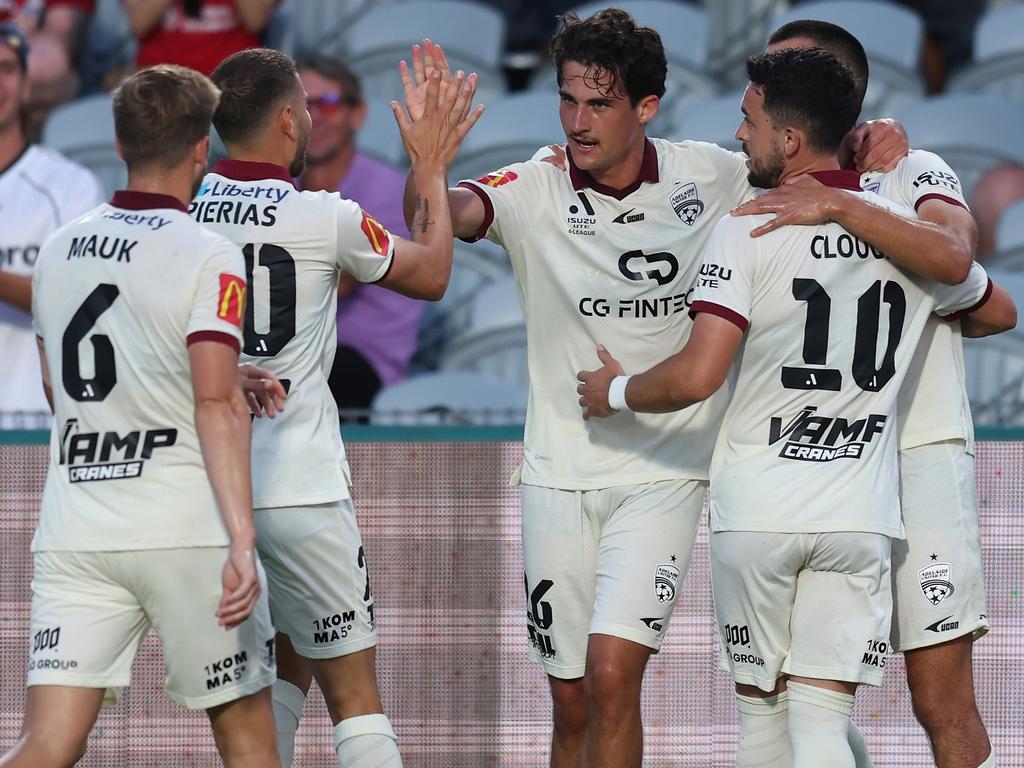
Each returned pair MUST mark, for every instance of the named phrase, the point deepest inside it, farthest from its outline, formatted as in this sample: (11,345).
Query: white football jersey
(809,439)
(295,245)
(594,266)
(40,192)
(117,296)
(933,404)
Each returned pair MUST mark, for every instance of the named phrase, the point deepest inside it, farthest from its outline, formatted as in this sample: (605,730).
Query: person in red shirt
(195,33)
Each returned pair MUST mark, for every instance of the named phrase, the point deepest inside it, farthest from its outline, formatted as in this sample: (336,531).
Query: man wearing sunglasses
(377,328)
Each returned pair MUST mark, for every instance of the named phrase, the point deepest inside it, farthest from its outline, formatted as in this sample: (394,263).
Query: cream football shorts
(938,580)
(809,604)
(609,561)
(316,569)
(91,610)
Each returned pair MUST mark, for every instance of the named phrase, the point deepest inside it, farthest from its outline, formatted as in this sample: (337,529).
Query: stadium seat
(454,397)
(379,137)
(509,131)
(494,339)
(1009,253)
(304,27)
(108,43)
(995,366)
(472,34)
(685,32)
(998,63)
(891,35)
(83,130)
(714,120)
(971,132)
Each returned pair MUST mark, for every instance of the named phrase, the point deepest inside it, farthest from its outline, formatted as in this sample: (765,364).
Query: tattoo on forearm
(421,220)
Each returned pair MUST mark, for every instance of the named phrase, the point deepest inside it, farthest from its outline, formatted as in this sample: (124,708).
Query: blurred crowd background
(951,72)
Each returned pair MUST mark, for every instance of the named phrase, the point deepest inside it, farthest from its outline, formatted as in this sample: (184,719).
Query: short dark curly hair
(610,42)
(254,84)
(809,89)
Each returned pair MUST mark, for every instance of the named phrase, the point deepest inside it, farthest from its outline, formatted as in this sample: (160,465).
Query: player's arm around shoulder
(994,313)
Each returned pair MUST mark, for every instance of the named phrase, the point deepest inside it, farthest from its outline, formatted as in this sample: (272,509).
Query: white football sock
(366,741)
(819,724)
(764,732)
(990,761)
(859,747)
(288,703)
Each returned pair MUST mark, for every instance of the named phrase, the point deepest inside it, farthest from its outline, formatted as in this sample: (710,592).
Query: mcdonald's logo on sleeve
(231,302)
(498,178)
(375,233)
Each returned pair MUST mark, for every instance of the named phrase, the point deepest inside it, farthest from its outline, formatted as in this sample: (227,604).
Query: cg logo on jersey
(663,275)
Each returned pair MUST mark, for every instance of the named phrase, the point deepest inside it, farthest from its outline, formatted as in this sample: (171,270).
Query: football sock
(859,747)
(366,741)
(764,732)
(819,724)
(288,704)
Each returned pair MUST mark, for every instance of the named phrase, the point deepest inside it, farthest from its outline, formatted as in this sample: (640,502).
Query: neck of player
(331,172)
(622,174)
(176,182)
(808,163)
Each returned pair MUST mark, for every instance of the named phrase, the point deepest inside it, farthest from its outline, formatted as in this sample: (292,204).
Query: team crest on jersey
(665,577)
(936,582)
(498,178)
(231,302)
(375,234)
(686,204)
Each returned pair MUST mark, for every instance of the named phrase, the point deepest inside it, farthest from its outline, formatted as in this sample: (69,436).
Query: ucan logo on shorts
(497,179)
(231,303)
(665,577)
(376,234)
(936,582)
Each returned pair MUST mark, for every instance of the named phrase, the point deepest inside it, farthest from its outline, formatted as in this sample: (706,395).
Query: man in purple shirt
(377,328)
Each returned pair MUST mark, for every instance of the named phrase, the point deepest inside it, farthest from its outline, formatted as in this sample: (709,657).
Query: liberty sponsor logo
(686,204)
(93,456)
(628,217)
(272,194)
(539,617)
(874,656)
(824,438)
(231,299)
(943,625)
(330,629)
(666,577)
(153,221)
(936,582)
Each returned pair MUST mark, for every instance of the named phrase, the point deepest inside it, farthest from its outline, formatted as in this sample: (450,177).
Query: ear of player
(438,109)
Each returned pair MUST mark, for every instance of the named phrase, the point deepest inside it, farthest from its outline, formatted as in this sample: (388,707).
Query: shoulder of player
(737,229)
(693,151)
(48,166)
(532,173)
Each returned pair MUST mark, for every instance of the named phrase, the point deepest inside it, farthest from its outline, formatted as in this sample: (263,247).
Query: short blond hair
(161,113)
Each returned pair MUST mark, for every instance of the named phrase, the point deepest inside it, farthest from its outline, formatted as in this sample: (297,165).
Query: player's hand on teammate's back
(447,117)
(594,385)
(264,392)
(555,158)
(241,586)
(799,200)
(877,145)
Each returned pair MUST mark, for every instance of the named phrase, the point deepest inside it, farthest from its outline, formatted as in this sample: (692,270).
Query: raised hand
(447,117)
(427,59)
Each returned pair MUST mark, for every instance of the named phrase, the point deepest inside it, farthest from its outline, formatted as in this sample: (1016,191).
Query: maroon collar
(648,172)
(141,201)
(248,170)
(839,179)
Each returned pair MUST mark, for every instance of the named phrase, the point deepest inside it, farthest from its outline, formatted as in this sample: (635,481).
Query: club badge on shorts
(936,582)
(665,577)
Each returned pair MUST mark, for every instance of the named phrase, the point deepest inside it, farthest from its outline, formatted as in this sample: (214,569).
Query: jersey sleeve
(926,176)
(956,301)
(731,172)
(218,305)
(513,200)
(725,283)
(365,247)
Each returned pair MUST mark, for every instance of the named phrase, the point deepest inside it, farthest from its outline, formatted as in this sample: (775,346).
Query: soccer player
(607,248)
(938,586)
(139,311)
(296,244)
(823,328)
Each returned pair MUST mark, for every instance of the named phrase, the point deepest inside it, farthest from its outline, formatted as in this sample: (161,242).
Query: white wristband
(617,393)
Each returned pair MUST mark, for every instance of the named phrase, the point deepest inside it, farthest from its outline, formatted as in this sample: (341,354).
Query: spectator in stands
(377,328)
(948,37)
(40,190)
(196,33)
(54,30)
(996,190)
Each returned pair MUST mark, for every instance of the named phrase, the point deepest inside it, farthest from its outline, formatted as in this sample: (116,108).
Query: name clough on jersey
(108,455)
